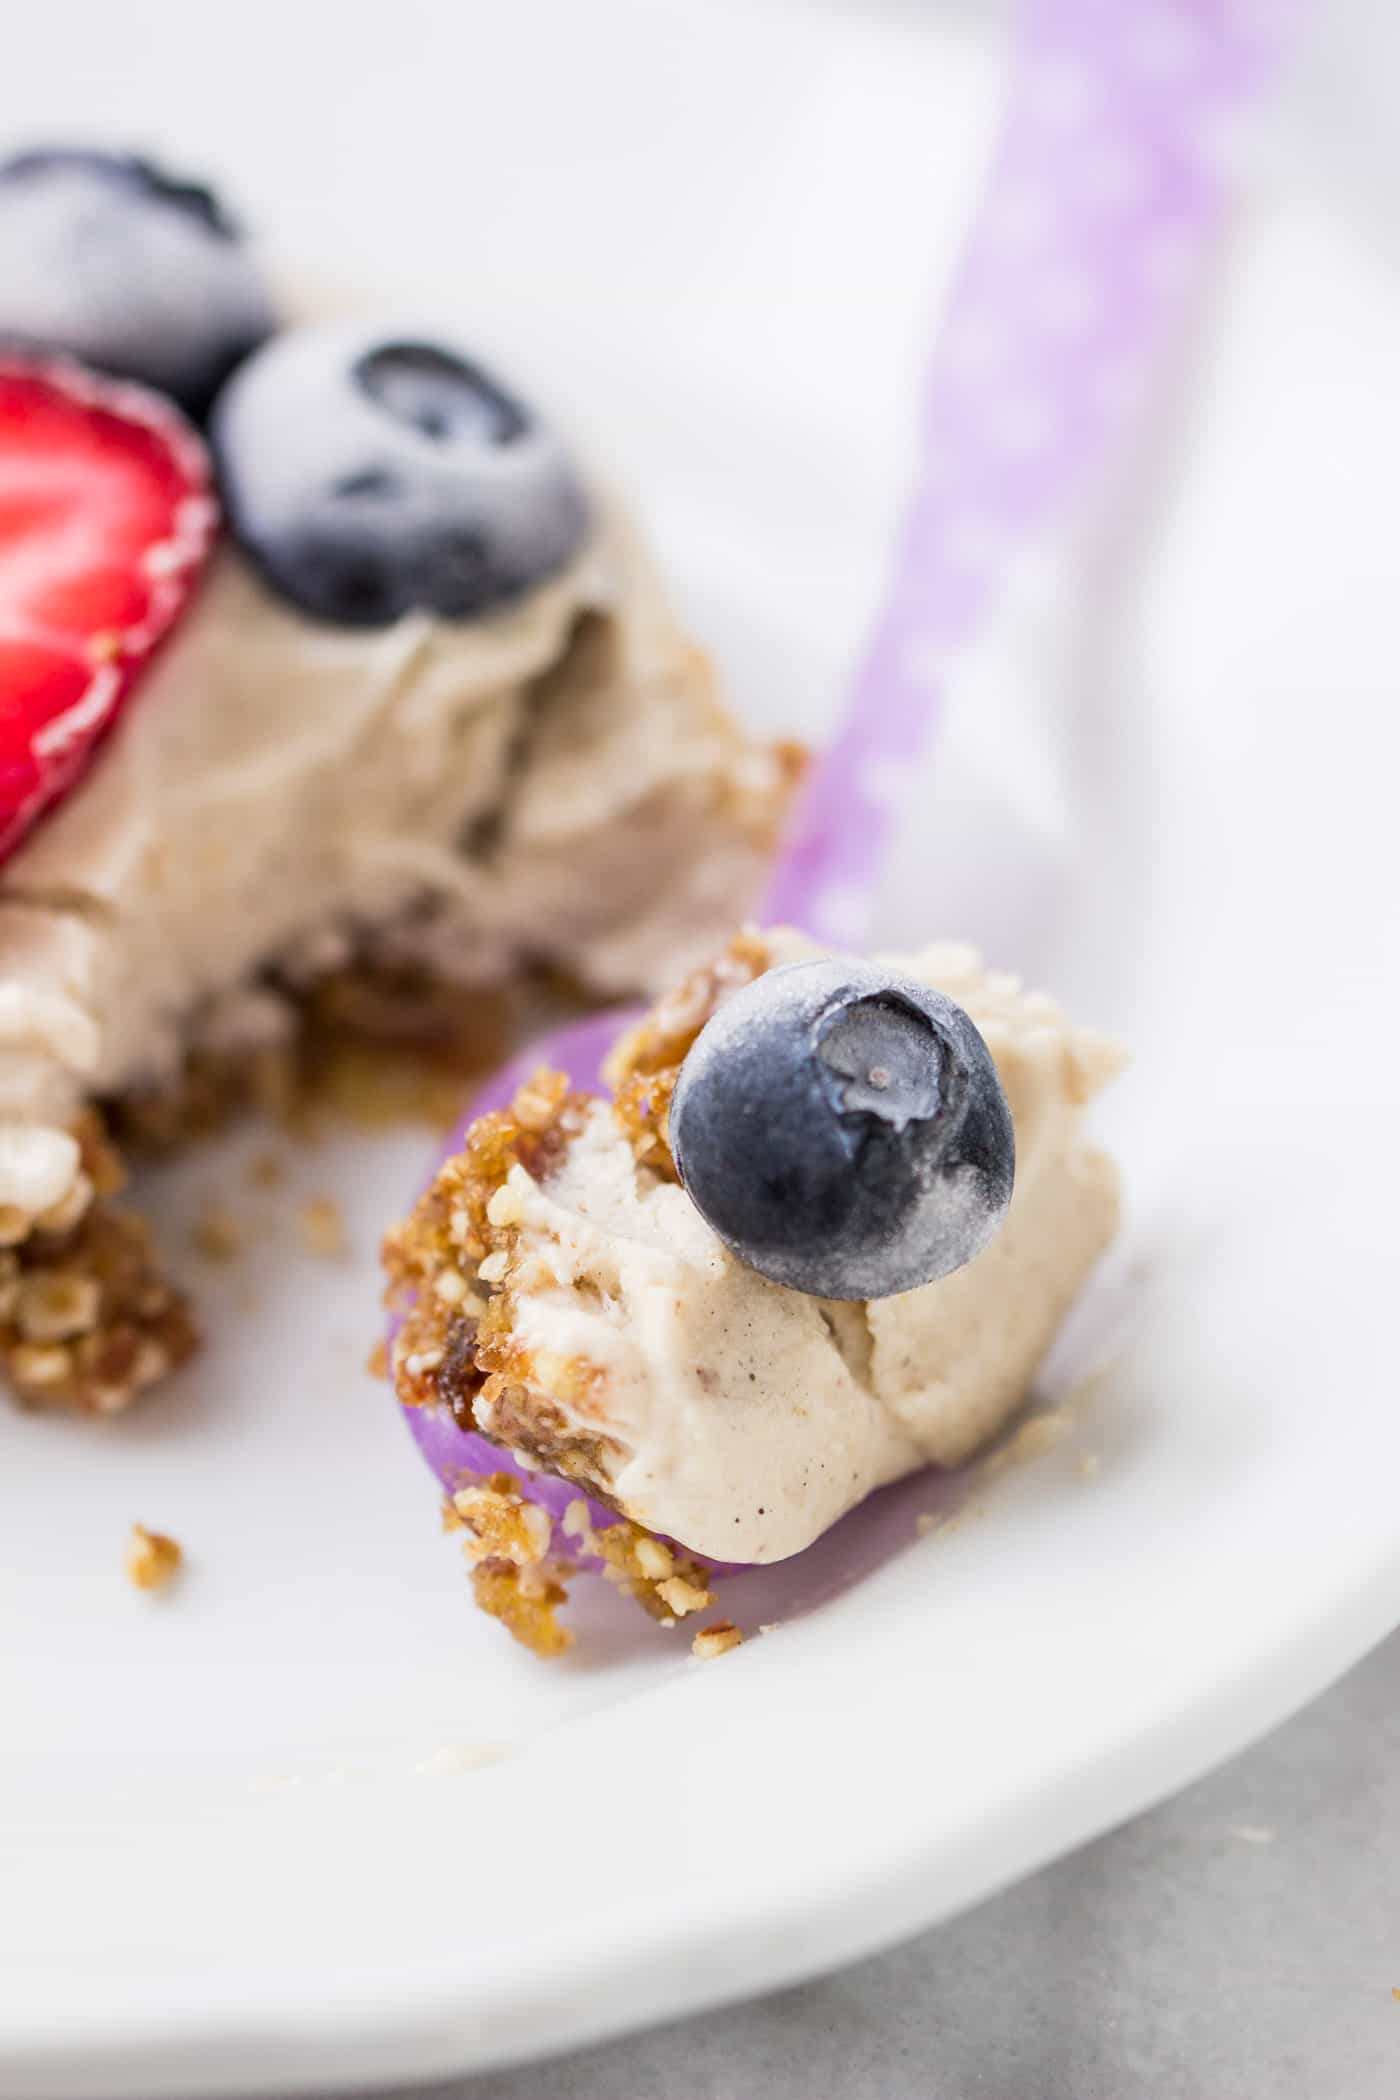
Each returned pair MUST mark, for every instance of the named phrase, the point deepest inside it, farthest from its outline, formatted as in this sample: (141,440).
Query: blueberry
(368,475)
(843,1130)
(106,257)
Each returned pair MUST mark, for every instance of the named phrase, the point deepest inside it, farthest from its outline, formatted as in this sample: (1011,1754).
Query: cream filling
(743,1419)
(537,783)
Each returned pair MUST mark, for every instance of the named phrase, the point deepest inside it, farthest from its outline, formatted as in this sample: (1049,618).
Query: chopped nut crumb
(323,1227)
(62,1216)
(506,1206)
(501,1524)
(33,1365)
(217,1234)
(519,1579)
(377,1362)
(86,1319)
(644,1064)
(425,1360)
(528,1611)
(716,1640)
(465,1223)
(683,1597)
(538,1529)
(57,1306)
(655,1559)
(535,1105)
(152,1558)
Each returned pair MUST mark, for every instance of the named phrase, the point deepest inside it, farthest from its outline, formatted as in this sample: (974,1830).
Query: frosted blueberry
(110,259)
(367,475)
(843,1130)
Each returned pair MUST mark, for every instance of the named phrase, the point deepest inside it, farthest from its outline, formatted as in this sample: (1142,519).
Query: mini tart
(450,809)
(558,1295)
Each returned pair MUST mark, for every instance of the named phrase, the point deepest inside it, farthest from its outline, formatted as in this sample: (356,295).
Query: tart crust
(510,1314)
(87,1319)
(456,1345)
(90,1321)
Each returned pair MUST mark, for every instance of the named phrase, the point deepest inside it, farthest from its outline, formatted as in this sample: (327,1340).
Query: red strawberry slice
(106,519)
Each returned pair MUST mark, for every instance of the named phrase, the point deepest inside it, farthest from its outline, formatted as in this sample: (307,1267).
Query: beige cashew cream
(554,782)
(742,1418)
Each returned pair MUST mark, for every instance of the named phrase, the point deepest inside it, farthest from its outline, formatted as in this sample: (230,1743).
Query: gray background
(1240,1943)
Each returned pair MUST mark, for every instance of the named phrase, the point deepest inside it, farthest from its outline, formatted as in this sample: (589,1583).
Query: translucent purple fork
(1109,180)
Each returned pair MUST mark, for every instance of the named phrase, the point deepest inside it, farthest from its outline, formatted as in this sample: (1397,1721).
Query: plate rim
(430,2025)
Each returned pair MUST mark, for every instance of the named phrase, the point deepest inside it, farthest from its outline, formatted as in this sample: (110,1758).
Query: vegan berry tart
(370,677)
(820,1237)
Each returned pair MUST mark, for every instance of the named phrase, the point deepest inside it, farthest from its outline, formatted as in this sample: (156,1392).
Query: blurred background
(640,207)
(714,237)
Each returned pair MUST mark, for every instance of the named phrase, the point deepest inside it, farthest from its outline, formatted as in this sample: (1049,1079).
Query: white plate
(311,1820)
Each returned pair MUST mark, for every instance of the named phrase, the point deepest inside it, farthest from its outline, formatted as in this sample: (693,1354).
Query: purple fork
(1111,176)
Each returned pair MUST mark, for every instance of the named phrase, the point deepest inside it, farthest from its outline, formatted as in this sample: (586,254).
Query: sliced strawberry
(107,516)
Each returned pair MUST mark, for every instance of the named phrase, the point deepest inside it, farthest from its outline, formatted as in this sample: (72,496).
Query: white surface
(223,1865)
(1237,1943)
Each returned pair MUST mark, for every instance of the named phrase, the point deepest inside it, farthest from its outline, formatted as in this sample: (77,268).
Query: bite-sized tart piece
(428,715)
(821,1236)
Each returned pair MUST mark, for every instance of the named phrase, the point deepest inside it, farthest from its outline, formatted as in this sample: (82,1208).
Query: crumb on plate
(716,1640)
(323,1227)
(152,1558)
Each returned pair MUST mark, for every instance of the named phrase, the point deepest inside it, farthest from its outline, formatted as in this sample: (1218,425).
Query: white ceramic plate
(309,1819)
